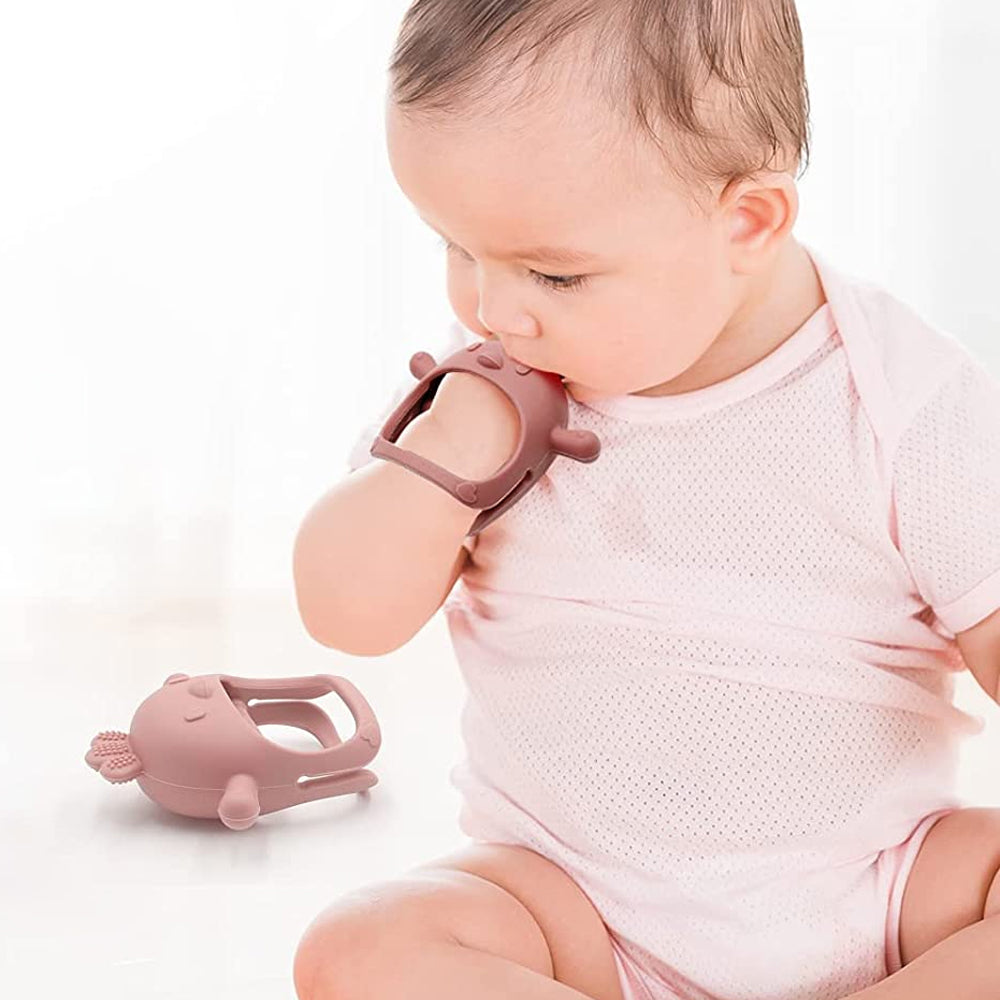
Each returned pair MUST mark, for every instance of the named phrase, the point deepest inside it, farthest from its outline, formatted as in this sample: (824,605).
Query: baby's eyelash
(552,282)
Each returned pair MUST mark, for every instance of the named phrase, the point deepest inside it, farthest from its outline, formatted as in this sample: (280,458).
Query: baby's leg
(488,921)
(953,882)
(950,919)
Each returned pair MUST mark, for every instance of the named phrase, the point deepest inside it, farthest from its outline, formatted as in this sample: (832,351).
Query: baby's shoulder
(916,356)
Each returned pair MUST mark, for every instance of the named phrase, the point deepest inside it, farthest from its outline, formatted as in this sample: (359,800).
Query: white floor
(105,894)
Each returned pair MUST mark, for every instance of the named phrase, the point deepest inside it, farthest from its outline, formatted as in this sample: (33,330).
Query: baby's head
(657,139)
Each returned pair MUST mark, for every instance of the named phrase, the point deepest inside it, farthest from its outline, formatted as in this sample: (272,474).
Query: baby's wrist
(448,447)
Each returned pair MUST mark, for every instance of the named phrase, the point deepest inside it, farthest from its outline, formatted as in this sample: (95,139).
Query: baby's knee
(360,939)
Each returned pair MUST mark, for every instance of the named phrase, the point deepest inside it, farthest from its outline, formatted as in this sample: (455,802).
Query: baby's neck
(771,313)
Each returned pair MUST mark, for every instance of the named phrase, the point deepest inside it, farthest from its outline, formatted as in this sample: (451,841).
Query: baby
(710,736)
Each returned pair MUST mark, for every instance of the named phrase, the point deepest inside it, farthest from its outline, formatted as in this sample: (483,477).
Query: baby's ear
(761,212)
(742,224)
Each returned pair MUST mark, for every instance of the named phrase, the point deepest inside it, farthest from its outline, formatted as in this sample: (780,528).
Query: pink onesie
(710,675)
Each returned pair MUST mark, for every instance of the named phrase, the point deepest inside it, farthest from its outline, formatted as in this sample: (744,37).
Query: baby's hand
(479,422)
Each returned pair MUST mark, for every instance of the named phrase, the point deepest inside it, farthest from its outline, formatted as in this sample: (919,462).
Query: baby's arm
(377,554)
(980,646)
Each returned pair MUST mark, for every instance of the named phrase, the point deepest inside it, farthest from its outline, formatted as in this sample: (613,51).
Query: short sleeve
(947,493)
(454,338)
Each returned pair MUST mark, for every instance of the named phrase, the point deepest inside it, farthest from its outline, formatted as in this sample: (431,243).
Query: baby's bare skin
(953,883)
(496,920)
(487,921)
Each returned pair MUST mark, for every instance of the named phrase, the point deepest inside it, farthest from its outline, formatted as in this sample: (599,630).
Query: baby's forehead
(571,154)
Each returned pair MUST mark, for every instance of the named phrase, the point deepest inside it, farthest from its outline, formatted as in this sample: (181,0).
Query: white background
(208,283)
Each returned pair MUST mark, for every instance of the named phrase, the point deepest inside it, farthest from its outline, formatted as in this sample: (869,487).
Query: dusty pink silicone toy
(540,398)
(195,748)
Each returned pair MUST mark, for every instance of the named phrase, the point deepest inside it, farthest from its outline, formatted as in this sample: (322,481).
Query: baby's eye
(558,283)
(553,282)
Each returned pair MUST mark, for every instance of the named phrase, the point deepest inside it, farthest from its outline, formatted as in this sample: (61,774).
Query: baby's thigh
(501,899)
(954,881)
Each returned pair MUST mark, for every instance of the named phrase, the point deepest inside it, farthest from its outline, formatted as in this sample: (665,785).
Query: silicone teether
(195,746)
(541,403)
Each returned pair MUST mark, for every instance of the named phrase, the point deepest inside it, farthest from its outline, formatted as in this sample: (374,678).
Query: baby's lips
(111,755)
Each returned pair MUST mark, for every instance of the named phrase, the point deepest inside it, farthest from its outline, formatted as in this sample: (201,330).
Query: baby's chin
(582,393)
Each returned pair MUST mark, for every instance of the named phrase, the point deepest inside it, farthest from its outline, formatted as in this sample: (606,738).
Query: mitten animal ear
(111,755)
(421,363)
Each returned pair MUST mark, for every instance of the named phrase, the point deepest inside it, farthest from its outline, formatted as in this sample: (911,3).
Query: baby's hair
(727,75)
